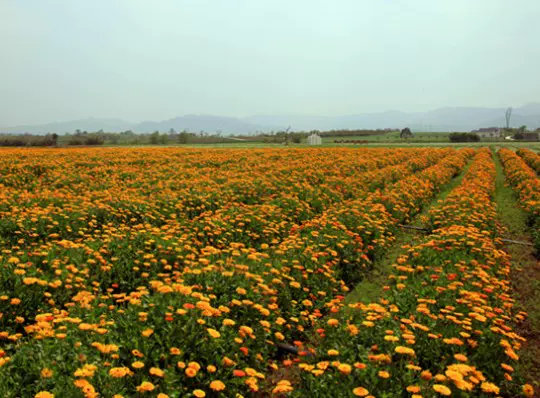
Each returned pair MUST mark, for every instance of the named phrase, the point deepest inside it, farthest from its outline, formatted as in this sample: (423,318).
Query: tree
(182,138)
(464,137)
(522,129)
(406,133)
(154,138)
(163,139)
(508,116)
(54,139)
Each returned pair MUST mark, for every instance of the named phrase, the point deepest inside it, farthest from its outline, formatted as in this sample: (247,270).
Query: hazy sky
(156,59)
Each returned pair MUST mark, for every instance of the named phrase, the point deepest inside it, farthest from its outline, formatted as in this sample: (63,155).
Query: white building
(490,132)
(314,139)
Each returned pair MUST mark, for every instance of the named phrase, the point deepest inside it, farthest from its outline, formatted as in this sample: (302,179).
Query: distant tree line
(357,132)
(29,140)
(464,137)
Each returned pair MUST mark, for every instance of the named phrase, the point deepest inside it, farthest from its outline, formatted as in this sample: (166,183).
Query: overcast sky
(144,59)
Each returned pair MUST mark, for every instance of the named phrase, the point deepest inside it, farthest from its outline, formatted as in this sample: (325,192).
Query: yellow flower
(489,387)
(157,372)
(405,351)
(138,364)
(147,332)
(283,386)
(333,353)
(442,389)
(384,374)
(214,333)
(360,392)
(44,394)
(86,371)
(332,322)
(146,386)
(199,393)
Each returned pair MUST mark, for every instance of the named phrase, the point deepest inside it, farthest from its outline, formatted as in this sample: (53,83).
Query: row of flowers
(531,158)
(526,184)
(445,323)
(154,308)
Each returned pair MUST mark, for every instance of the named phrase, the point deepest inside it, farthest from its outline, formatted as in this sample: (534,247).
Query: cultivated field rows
(179,272)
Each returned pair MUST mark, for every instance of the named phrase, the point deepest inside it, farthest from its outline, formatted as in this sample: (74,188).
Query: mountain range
(438,120)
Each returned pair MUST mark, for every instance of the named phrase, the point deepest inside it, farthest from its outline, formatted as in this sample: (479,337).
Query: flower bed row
(531,158)
(526,184)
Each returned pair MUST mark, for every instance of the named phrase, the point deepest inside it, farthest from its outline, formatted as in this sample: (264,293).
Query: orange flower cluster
(531,158)
(446,322)
(526,184)
(177,271)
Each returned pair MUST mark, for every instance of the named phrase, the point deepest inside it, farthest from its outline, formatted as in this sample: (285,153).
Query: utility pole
(508,116)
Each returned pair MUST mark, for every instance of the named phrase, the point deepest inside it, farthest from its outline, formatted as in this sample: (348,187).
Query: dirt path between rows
(525,276)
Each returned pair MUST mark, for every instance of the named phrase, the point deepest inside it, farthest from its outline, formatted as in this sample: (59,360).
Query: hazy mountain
(89,124)
(442,119)
(196,123)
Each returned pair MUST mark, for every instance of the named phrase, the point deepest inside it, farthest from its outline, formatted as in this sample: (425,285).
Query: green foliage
(464,137)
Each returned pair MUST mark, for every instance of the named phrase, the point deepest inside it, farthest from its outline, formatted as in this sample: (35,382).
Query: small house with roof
(488,132)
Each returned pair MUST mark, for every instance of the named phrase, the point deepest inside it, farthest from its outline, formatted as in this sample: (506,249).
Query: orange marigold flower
(46,373)
(175,351)
(217,385)
(384,374)
(199,393)
(146,386)
(191,372)
(239,373)
(147,332)
(413,389)
(120,372)
(461,357)
(360,392)
(528,390)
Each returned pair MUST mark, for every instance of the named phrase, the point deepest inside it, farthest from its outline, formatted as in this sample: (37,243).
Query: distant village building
(314,139)
(531,135)
(489,132)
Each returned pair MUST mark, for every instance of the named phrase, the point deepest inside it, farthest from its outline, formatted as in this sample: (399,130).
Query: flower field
(184,272)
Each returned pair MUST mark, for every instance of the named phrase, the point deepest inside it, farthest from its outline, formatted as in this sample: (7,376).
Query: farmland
(180,272)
